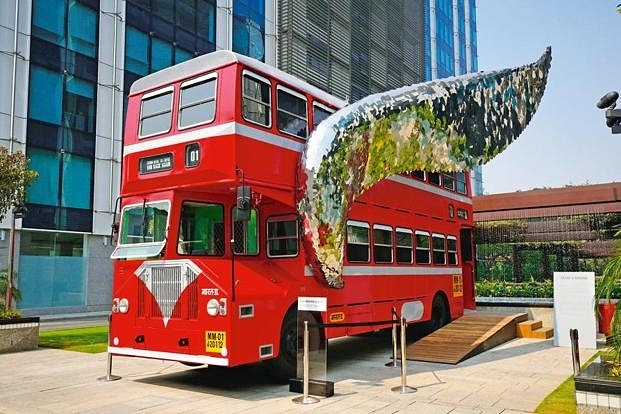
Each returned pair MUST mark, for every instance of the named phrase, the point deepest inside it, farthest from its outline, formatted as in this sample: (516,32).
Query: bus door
(467,264)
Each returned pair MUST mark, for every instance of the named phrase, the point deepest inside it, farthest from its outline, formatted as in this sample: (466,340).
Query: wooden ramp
(465,337)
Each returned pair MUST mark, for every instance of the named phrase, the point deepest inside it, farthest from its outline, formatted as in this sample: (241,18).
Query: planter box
(19,334)
(596,389)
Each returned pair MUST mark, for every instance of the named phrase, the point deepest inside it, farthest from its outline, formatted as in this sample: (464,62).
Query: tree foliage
(15,178)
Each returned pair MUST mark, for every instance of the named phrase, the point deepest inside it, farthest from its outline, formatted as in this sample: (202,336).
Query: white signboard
(574,296)
(317,304)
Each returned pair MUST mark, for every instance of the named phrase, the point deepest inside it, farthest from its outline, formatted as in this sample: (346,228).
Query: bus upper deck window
(291,115)
(320,113)
(155,113)
(256,99)
(197,101)
(460,180)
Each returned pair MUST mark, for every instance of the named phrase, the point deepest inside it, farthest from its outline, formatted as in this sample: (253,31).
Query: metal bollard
(109,376)
(575,350)
(403,388)
(395,361)
(305,398)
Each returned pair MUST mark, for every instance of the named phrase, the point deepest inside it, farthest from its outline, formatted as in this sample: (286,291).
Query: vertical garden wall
(528,248)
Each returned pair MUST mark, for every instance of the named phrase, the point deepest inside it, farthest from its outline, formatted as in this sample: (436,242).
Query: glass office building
(451,48)
(67,65)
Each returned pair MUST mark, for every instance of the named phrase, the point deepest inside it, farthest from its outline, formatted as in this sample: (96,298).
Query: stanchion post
(403,388)
(395,361)
(109,376)
(575,350)
(305,398)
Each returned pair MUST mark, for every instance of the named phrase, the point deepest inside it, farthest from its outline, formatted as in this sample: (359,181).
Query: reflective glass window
(161,54)
(246,233)
(46,94)
(82,36)
(48,20)
(136,51)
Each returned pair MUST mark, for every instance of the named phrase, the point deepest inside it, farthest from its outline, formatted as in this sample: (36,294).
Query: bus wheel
(283,367)
(440,315)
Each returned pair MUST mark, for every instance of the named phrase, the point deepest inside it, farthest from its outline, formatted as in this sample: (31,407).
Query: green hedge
(532,289)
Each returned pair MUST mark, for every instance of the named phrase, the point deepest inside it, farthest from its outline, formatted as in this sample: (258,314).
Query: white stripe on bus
(393,271)
(172,356)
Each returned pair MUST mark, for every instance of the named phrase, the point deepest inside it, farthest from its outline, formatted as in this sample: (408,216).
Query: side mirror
(243,203)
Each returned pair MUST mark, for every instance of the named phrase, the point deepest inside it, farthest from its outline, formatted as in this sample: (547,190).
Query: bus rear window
(197,102)
(155,113)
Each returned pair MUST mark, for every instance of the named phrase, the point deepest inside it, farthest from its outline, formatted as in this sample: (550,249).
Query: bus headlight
(123,305)
(213,307)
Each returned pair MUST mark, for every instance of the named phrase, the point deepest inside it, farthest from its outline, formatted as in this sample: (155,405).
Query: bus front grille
(163,284)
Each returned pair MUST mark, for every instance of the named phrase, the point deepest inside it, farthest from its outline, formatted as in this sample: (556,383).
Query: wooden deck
(465,337)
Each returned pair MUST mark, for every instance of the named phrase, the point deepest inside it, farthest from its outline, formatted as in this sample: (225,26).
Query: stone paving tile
(513,377)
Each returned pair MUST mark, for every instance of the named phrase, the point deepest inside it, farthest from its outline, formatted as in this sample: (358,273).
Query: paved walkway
(511,378)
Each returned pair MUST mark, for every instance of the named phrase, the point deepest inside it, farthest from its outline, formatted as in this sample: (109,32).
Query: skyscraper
(451,48)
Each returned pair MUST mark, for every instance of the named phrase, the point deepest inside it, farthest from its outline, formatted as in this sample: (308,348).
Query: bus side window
(439,249)
(423,247)
(358,242)
(451,247)
(404,245)
(282,237)
(256,99)
(201,230)
(320,113)
(291,114)
(246,233)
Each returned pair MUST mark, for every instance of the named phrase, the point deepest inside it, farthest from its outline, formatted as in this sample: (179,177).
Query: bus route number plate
(215,341)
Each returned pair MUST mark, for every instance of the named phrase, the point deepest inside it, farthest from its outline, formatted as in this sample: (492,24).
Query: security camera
(608,101)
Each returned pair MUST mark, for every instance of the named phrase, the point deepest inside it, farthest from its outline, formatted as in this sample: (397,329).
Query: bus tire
(284,366)
(440,313)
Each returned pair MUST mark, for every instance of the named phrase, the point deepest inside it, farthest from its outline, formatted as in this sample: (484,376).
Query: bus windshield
(143,230)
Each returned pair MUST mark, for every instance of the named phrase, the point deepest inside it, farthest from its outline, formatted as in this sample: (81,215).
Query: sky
(567,142)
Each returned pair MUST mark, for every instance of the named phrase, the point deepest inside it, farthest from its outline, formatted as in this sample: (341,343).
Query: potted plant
(606,291)
(17,333)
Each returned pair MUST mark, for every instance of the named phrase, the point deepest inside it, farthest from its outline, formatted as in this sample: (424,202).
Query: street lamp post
(18,212)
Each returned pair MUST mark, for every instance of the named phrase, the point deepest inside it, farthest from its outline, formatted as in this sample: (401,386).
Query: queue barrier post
(395,361)
(305,398)
(575,350)
(403,388)
(109,376)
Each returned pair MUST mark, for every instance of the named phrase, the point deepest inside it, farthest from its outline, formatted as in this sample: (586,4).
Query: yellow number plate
(215,341)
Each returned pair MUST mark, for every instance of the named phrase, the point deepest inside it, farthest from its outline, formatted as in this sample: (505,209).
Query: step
(524,329)
(542,333)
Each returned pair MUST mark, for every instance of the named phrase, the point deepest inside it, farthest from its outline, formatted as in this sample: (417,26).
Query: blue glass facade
(62,113)
(446,21)
(161,33)
(249,28)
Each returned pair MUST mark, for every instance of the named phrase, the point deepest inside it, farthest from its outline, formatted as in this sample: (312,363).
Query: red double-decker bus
(201,278)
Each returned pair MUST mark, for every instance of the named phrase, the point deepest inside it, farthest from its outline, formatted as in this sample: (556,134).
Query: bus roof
(217,59)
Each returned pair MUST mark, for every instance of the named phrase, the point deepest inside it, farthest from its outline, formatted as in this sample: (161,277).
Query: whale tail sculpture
(450,124)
